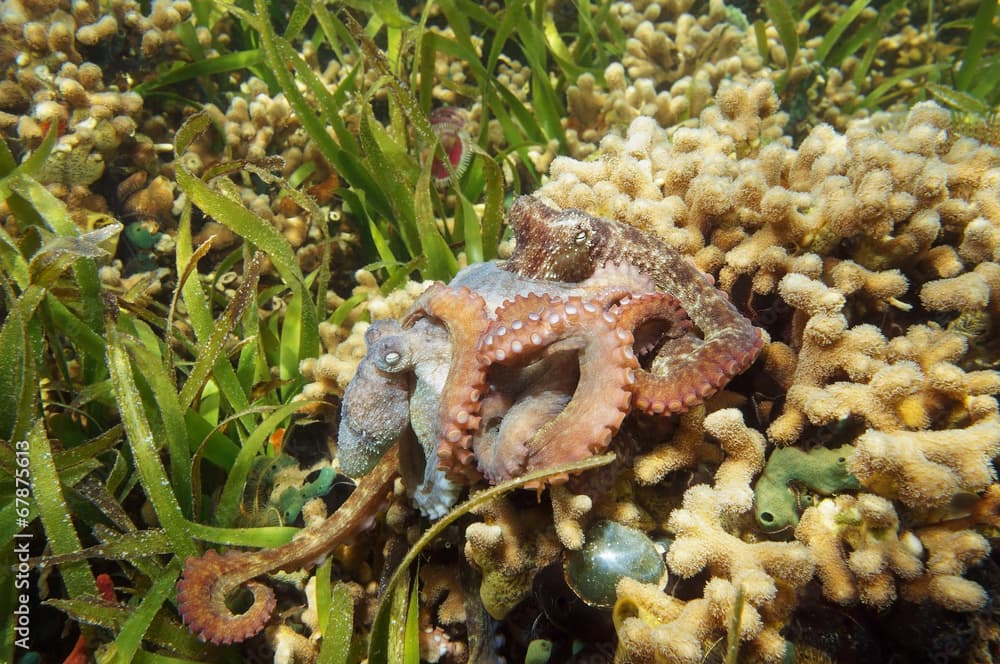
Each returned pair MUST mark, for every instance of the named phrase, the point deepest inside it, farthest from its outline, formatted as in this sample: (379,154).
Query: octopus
(512,367)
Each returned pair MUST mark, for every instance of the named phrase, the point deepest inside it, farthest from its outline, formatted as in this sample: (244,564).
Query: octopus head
(551,244)
(375,410)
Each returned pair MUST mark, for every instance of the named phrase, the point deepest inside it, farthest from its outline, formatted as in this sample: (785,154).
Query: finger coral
(653,626)
(508,547)
(925,469)
(858,548)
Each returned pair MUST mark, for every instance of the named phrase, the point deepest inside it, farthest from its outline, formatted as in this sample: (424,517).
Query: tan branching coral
(508,547)
(440,585)
(950,554)
(858,548)
(653,626)
(870,256)
(685,449)
(926,469)
(568,512)
(744,449)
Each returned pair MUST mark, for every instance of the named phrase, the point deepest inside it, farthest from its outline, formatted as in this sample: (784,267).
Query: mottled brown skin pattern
(207,581)
(568,245)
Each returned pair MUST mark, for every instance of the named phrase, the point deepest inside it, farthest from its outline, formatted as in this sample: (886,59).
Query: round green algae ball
(539,652)
(612,552)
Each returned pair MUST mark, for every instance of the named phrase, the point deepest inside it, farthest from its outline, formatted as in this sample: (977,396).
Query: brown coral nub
(201,600)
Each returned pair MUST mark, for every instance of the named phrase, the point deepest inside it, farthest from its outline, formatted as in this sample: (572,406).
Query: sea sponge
(789,471)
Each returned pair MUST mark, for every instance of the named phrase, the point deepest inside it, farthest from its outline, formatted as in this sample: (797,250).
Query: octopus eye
(580,237)
(390,355)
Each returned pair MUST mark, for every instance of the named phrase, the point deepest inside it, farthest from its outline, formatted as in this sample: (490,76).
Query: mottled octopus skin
(463,313)
(476,296)
(569,245)
(536,326)
(207,580)
(375,407)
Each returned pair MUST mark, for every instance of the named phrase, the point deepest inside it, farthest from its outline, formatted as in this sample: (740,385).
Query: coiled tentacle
(600,401)
(693,369)
(464,314)
(208,581)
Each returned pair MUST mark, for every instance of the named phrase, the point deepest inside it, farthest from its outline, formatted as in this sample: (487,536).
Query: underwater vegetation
(646,331)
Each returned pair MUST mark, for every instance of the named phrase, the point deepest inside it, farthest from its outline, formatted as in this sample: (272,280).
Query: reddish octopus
(512,367)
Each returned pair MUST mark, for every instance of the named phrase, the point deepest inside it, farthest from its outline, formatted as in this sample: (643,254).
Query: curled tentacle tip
(201,601)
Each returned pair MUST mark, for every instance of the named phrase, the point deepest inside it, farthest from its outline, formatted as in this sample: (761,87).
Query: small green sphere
(612,552)
(539,652)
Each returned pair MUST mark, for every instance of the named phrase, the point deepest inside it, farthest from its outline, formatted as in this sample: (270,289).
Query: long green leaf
(266,238)
(245,223)
(140,438)
(209,67)
(132,632)
(125,546)
(336,645)
(18,371)
(393,184)
(265,537)
(873,98)
(212,349)
(441,263)
(493,208)
(172,417)
(982,27)
(47,492)
(781,15)
(411,634)
(229,502)
(832,36)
